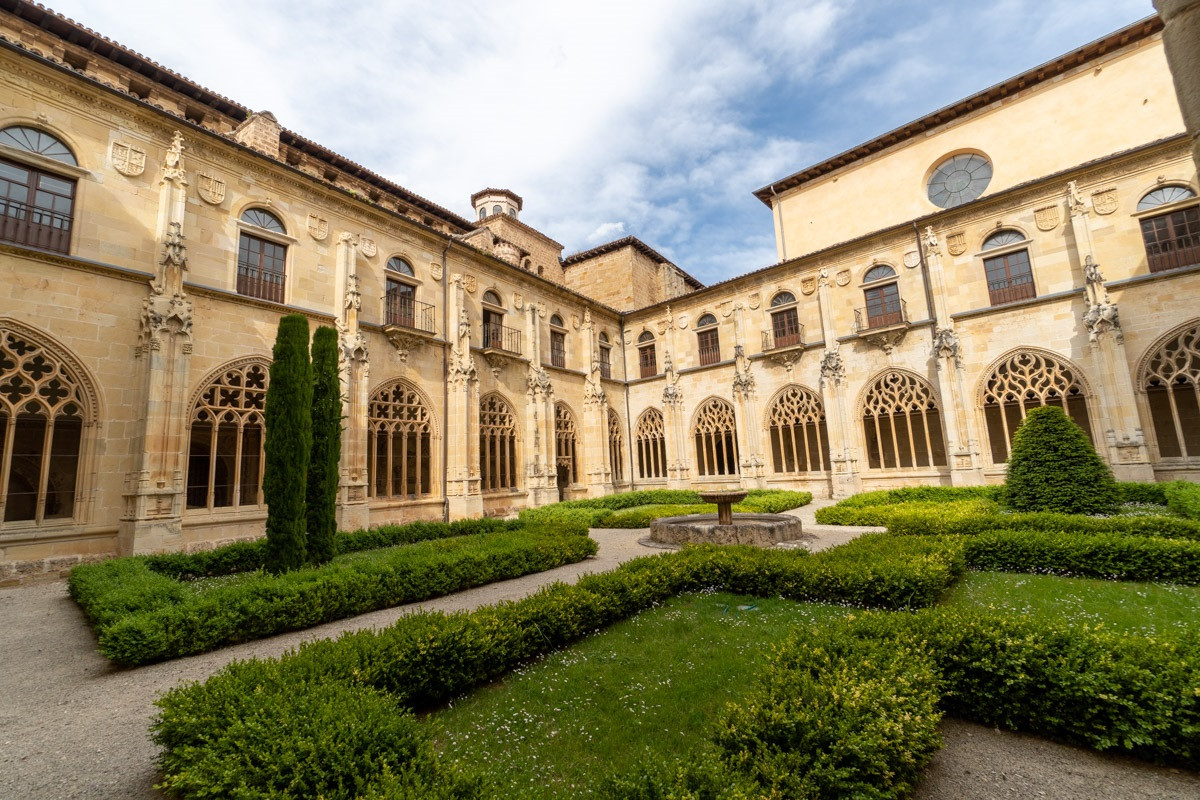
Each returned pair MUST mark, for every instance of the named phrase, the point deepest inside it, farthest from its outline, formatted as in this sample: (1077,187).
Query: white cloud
(606,232)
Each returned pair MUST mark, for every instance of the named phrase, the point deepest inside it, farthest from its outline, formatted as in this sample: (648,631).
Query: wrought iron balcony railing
(406,312)
(780,337)
(873,318)
(498,337)
(1182,251)
(21,223)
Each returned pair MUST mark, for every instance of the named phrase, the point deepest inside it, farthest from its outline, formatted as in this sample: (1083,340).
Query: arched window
(1173,238)
(901,424)
(482,212)
(1023,381)
(884,307)
(605,356)
(785,323)
(616,447)
(647,360)
(225,451)
(42,415)
(400,301)
(400,433)
(495,335)
(565,445)
(1009,274)
(1171,381)
(558,341)
(650,440)
(799,439)
(716,439)
(497,445)
(261,259)
(959,179)
(497,210)
(707,340)
(36,206)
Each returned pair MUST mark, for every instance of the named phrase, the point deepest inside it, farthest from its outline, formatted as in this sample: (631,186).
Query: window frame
(1003,295)
(284,240)
(646,342)
(708,340)
(558,342)
(1166,211)
(42,165)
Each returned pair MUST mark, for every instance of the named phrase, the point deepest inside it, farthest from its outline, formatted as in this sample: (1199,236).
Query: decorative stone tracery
(225,450)
(799,437)
(1028,379)
(1171,381)
(402,454)
(650,441)
(715,434)
(902,423)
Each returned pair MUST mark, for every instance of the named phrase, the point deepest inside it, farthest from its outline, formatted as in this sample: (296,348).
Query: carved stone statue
(930,240)
(832,366)
(1101,318)
(1075,201)
(173,162)
(1091,271)
(672,394)
(945,343)
(743,378)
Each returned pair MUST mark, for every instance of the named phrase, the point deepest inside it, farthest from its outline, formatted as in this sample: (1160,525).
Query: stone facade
(483,372)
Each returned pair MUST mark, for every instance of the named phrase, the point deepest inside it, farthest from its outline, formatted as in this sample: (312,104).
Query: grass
(648,687)
(1124,607)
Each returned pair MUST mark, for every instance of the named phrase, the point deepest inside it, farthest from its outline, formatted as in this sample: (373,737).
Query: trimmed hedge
(963,519)
(842,710)
(141,616)
(1109,556)
(1054,467)
(1183,497)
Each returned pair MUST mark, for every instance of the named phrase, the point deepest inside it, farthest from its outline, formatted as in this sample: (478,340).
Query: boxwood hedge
(638,509)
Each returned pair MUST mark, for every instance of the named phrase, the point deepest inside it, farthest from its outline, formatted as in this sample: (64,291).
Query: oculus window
(959,179)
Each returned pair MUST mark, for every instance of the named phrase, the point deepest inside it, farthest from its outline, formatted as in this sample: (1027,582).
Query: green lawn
(1126,607)
(649,686)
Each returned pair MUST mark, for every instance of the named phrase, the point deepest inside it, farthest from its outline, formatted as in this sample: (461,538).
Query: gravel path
(73,726)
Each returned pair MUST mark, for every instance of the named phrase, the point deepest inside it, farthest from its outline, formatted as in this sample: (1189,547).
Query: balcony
(1182,251)
(265,284)
(787,336)
(499,339)
(709,354)
(407,324)
(404,312)
(605,369)
(1017,287)
(35,227)
(558,357)
(883,324)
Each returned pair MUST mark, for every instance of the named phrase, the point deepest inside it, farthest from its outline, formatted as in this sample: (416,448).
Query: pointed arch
(401,437)
(227,429)
(1169,381)
(566,443)
(901,422)
(48,408)
(616,447)
(795,420)
(650,438)
(497,444)
(1025,378)
(714,430)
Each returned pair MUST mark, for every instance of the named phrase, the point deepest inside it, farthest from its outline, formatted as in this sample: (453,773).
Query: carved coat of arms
(318,227)
(435,269)
(1105,201)
(367,246)
(808,285)
(1046,218)
(911,259)
(128,159)
(843,277)
(754,301)
(956,244)
(470,283)
(210,188)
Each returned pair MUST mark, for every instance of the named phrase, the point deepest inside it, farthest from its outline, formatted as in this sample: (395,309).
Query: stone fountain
(725,527)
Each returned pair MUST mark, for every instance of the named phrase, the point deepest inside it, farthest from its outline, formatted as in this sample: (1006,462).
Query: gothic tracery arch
(1170,378)
(566,443)
(650,439)
(616,447)
(401,453)
(799,438)
(714,430)
(901,423)
(497,444)
(46,403)
(1026,379)
(225,444)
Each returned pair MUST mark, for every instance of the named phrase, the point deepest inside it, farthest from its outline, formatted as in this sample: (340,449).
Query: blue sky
(656,118)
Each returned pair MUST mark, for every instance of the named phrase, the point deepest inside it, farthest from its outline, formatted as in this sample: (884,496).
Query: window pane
(25,469)
(64,468)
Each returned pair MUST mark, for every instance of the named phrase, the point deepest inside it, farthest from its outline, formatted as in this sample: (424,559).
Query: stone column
(843,457)
(540,478)
(745,413)
(1123,443)
(1181,40)
(354,370)
(462,423)
(678,465)
(595,416)
(152,520)
(962,448)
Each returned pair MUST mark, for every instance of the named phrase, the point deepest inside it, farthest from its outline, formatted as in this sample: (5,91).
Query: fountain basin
(763,530)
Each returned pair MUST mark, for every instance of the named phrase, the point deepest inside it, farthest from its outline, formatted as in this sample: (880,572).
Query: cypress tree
(1053,467)
(288,445)
(323,467)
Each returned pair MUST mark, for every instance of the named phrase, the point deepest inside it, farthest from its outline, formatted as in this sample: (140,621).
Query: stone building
(933,284)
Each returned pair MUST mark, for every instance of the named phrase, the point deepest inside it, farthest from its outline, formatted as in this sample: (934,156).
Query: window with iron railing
(1172,240)
(884,307)
(605,362)
(709,347)
(786,330)
(35,207)
(1009,277)
(261,267)
(401,308)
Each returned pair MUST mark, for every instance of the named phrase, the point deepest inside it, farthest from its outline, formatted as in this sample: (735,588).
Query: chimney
(260,132)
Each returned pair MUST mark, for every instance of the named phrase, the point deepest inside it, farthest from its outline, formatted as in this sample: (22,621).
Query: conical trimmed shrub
(288,445)
(1053,467)
(323,472)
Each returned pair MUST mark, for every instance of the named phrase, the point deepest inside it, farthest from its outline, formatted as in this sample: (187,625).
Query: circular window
(959,179)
